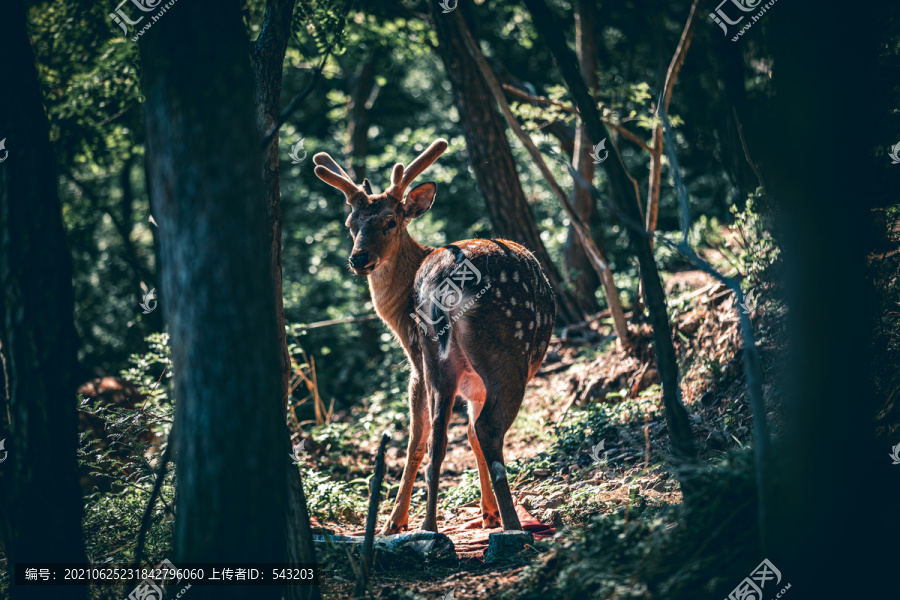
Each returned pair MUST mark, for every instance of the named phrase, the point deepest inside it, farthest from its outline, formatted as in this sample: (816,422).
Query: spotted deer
(474,318)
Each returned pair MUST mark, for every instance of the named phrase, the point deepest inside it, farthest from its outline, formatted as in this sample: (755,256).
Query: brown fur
(500,321)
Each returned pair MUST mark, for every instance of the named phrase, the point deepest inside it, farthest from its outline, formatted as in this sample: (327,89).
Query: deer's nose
(360,261)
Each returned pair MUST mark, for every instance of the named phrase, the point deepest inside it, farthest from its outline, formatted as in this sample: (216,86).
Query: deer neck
(392,286)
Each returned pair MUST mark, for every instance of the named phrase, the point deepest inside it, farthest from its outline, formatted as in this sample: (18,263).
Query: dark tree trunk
(40,507)
(268,64)
(831,458)
(585,280)
(731,74)
(627,203)
(491,158)
(219,301)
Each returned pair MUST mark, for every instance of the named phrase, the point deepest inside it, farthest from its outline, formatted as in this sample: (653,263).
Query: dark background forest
(739,362)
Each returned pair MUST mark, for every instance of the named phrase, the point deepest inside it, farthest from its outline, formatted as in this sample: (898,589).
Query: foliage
(121,475)
(334,500)
(700,549)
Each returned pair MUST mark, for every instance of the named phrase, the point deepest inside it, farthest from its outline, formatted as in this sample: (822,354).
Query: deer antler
(401,178)
(331,173)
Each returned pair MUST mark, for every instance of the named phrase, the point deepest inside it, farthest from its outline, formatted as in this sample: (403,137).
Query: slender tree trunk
(656,143)
(574,256)
(586,279)
(731,74)
(491,157)
(267,54)
(216,268)
(360,86)
(40,507)
(627,201)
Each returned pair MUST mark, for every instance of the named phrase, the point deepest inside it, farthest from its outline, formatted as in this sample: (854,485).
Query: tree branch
(514,91)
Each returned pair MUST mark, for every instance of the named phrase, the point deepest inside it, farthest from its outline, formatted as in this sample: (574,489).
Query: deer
(474,318)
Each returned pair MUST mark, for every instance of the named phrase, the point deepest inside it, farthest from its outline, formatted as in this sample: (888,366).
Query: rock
(426,544)
(540,502)
(401,550)
(541,472)
(551,517)
(506,544)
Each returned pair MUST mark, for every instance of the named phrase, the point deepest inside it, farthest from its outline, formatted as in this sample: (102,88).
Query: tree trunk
(40,507)
(268,53)
(217,269)
(491,158)
(830,454)
(574,257)
(585,280)
(731,74)
(627,205)
(656,143)
(361,86)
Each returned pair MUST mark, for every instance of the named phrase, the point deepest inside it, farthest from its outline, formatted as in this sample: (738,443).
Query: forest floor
(590,439)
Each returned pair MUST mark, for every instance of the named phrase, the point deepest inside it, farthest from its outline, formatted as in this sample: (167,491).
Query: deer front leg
(490,513)
(415,452)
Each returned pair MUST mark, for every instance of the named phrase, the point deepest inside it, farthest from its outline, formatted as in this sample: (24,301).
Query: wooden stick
(371,520)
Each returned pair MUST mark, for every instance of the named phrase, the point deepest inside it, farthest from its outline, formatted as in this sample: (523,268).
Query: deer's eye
(390,225)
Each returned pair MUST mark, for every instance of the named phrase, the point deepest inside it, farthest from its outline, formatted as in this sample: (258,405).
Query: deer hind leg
(442,393)
(415,452)
(490,512)
(500,409)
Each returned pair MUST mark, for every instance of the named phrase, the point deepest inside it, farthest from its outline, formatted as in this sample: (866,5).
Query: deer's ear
(419,200)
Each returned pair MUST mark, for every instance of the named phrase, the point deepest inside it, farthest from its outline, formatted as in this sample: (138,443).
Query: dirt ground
(586,366)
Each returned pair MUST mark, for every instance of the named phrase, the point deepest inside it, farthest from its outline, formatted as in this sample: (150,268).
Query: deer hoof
(391,528)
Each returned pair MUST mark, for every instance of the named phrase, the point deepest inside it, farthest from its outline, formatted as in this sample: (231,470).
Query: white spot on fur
(512,301)
(527,345)
(518,324)
(516,276)
(497,292)
(499,471)
(519,334)
(508,313)
(537,318)
(525,285)
(503,276)
(531,326)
